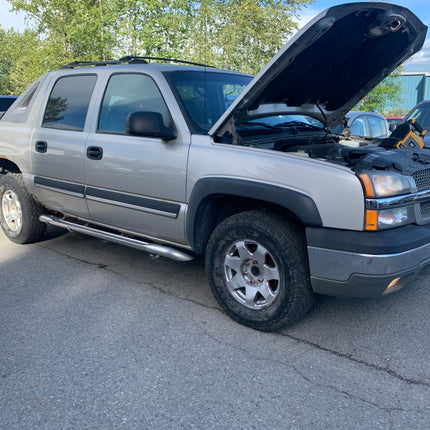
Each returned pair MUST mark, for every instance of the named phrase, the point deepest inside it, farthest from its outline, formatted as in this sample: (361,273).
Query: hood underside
(331,64)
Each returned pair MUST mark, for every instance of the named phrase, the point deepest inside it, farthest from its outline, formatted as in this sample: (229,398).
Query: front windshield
(421,115)
(205,96)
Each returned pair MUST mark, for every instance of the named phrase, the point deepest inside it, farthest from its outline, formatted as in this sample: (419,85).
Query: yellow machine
(407,135)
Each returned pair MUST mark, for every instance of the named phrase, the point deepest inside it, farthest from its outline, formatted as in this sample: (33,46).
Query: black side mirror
(148,124)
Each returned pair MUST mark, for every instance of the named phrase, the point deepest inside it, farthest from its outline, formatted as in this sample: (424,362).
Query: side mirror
(148,124)
(392,126)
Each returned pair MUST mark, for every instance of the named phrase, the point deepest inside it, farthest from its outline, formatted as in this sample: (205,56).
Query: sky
(420,62)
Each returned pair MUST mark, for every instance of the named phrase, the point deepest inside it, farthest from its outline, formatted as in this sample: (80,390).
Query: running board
(152,248)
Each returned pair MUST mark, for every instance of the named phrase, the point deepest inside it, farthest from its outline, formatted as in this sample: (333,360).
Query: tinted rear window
(68,103)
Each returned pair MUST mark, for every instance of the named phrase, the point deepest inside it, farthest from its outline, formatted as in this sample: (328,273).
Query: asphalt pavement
(99,336)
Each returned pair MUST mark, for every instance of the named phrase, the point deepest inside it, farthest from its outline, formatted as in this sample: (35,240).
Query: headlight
(378,188)
(389,218)
(384,184)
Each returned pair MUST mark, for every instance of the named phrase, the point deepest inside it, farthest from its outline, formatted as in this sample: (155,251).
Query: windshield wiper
(298,123)
(261,124)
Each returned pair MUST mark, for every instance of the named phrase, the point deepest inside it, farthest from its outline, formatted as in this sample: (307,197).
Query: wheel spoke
(271,273)
(267,292)
(250,295)
(235,283)
(243,251)
(233,262)
(259,255)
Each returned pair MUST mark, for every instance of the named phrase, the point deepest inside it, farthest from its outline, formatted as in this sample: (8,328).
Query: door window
(127,93)
(377,126)
(359,127)
(68,103)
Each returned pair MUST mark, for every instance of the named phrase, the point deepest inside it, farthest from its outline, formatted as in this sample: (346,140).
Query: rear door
(58,145)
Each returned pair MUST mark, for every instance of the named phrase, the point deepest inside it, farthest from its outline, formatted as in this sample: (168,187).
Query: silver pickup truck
(179,161)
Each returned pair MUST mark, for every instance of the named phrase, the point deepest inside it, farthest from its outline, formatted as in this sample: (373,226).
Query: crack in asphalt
(351,396)
(349,357)
(358,361)
(109,269)
(307,379)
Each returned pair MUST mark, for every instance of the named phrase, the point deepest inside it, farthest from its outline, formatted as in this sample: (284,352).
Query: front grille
(425,209)
(422,179)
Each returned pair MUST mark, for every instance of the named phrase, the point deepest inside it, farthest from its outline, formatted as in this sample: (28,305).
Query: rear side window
(68,103)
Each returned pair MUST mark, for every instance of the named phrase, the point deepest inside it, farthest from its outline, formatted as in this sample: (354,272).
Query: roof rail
(129,59)
(74,64)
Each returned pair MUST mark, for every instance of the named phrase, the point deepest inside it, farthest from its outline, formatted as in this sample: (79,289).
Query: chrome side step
(152,248)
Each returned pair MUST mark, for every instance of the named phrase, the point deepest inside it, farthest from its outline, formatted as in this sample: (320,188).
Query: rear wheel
(257,268)
(19,213)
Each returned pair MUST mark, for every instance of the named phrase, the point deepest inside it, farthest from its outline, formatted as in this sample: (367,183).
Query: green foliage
(153,27)
(385,97)
(83,28)
(24,57)
(236,34)
(239,35)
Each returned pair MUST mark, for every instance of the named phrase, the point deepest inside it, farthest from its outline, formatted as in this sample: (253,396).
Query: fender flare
(298,203)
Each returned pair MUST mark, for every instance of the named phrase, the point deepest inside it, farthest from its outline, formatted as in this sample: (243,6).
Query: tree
(153,27)
(83,28)
(384,97)
(242,34)
(24,57)
(235,34)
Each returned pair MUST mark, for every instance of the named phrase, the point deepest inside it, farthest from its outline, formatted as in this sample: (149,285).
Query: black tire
(262,257)
(19,213)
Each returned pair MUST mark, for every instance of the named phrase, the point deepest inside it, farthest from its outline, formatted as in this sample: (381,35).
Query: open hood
(331,64)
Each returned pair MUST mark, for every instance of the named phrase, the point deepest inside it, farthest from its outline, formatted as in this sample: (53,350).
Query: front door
(136,184)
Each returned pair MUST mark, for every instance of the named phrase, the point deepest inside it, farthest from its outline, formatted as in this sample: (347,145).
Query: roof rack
(74,64)
(129,59)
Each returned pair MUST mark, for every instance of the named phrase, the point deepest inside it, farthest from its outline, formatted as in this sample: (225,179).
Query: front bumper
(366,264)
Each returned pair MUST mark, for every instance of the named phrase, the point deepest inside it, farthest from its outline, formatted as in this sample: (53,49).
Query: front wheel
(19,213)
(257,269)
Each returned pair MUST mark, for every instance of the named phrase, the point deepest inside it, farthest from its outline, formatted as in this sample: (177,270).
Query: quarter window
(68,103)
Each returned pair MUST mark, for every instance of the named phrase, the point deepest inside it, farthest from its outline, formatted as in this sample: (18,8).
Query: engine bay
(356,153)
